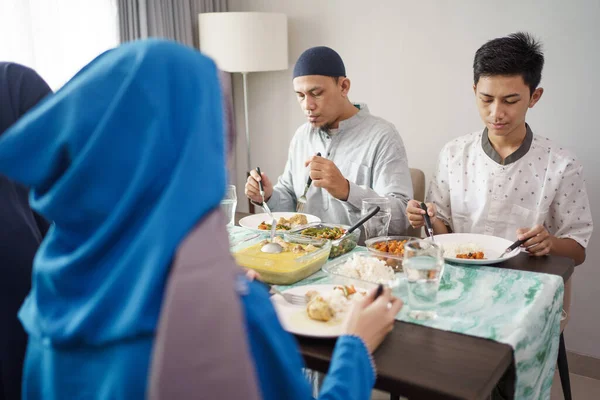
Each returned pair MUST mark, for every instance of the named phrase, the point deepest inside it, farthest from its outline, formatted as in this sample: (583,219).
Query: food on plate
(478,255)
(319,309)
(285,224)
(391,246)
(470,251)
(332,305)
(367,268)
(263,226)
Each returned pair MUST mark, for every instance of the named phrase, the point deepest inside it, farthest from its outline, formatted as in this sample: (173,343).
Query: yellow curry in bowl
(298,260)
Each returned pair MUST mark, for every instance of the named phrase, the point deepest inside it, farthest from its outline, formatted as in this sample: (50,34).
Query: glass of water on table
(423,266)
(229,204)
(379,224)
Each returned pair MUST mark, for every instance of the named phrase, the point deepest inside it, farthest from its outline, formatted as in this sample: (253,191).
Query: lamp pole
(248,161)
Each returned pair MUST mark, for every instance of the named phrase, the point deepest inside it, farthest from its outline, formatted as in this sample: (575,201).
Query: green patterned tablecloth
(521,309)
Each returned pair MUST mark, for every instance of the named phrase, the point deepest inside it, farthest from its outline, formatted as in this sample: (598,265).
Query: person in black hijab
(21,230)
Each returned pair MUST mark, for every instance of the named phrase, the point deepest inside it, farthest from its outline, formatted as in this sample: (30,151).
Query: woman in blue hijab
(128,160)
(21,230)
(125,159)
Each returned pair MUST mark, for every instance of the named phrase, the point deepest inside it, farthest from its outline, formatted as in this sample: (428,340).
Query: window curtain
(176,20)
(57,37)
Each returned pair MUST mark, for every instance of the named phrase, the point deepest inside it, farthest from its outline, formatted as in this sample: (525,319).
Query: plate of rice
(474,249)
(363,267)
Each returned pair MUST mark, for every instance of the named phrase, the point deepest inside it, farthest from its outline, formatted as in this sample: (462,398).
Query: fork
(294,299)
(302,200)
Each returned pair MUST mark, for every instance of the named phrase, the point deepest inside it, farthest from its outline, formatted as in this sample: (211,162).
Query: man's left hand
(326,175)
(538,240)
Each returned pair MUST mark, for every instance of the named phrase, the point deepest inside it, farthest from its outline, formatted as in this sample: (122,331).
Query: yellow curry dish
(300,258)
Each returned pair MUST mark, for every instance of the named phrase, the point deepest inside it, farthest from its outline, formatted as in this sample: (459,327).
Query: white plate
(253,221)
(492,246)
(295,319)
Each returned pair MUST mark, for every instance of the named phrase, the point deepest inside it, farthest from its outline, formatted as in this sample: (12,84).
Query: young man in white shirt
(505,181)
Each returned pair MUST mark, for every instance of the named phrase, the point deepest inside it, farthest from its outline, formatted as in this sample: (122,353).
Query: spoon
(272,247)
(357,225)
(262,194)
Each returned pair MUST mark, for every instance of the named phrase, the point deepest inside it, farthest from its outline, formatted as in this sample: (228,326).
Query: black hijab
(21,230)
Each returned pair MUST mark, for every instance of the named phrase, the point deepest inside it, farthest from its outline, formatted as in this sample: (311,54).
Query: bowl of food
(301,257)
(332,232)
(389,249)
(363,268)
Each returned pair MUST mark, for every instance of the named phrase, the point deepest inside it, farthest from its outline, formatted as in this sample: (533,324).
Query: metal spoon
(273,248)
(262,194)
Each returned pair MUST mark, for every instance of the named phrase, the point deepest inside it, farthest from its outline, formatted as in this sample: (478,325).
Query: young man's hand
(415,213)
(538,240)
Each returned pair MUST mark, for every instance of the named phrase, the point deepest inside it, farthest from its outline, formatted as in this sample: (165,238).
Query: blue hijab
(125,159)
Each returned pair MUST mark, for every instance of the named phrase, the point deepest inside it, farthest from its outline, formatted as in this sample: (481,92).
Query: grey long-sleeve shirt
(368,151)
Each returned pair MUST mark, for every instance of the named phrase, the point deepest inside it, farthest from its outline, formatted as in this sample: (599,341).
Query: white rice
(452,249)
(368,269)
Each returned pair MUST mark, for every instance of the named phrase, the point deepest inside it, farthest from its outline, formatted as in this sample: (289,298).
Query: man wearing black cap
(363,156)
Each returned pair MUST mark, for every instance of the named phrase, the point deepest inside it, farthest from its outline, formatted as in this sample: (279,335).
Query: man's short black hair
(516,54)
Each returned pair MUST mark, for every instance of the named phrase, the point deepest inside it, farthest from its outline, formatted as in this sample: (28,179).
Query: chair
(418,182)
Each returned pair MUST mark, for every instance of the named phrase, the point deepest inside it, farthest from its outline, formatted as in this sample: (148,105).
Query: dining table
(420,362)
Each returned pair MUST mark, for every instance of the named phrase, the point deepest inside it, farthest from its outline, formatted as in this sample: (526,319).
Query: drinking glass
(423,266)
(379,224)
(229,204)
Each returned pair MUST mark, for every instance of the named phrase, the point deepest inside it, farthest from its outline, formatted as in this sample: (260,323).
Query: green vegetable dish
(324,232)
(332,232)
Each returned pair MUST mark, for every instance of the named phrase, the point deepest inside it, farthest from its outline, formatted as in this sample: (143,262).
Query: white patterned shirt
(540,183)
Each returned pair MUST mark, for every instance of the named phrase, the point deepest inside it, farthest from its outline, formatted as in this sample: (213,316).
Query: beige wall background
(411,62)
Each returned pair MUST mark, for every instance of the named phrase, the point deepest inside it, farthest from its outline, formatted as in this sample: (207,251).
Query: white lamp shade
(245,41)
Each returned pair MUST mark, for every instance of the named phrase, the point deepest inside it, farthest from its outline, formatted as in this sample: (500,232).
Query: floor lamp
(245,42)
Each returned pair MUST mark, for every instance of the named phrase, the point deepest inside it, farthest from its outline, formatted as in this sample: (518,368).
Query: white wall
(412,63)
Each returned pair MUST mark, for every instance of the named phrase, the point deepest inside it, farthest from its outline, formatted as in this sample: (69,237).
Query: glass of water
(423,266)
(379,224)
(228,205)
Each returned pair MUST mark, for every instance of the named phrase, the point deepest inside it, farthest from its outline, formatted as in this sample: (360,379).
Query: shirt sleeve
(351,374)
(439,190)
(391,179)
(569,214)
(284,196)
(278,362)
